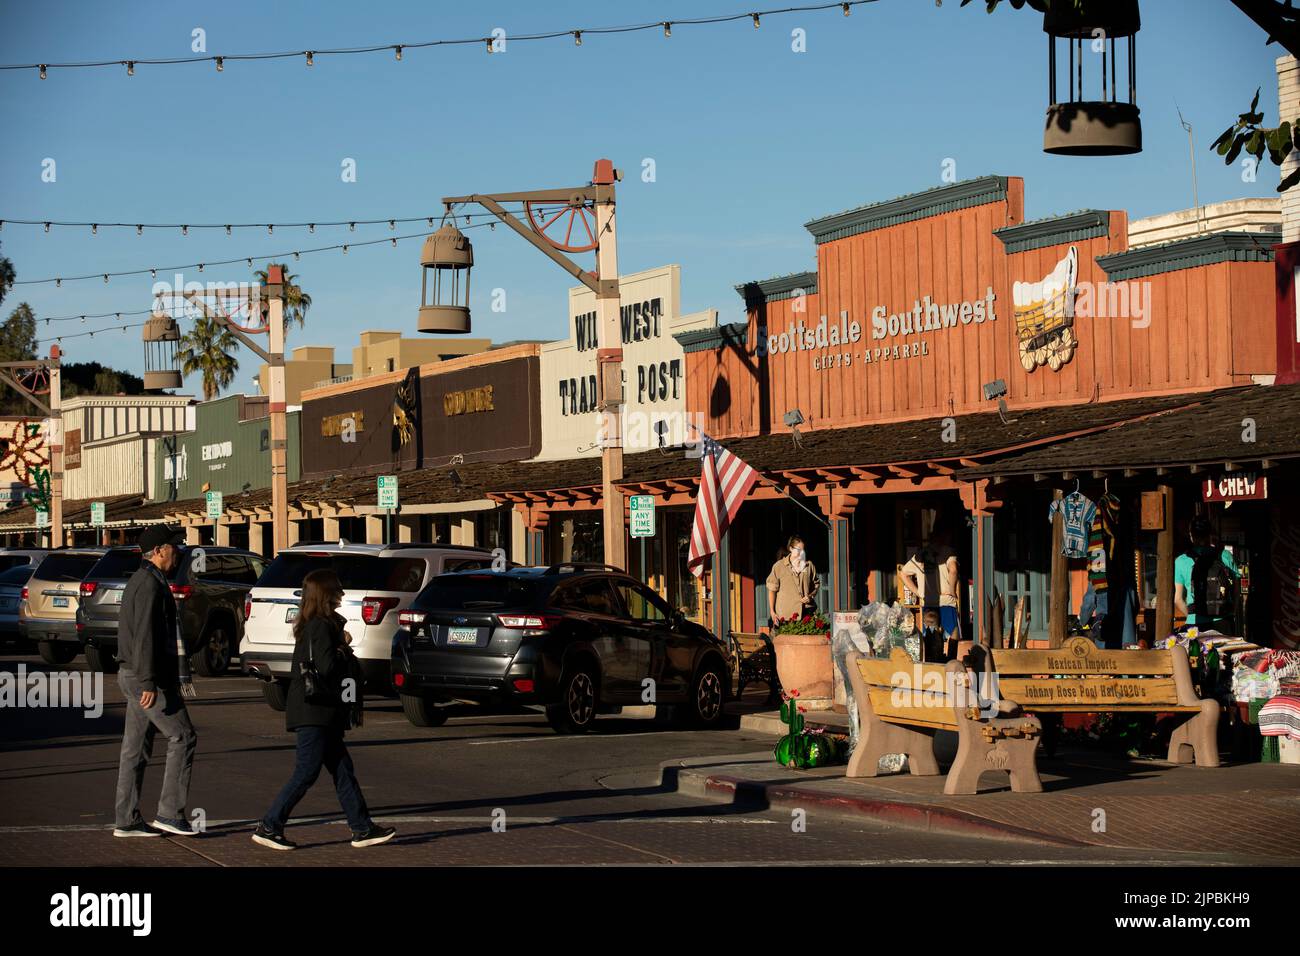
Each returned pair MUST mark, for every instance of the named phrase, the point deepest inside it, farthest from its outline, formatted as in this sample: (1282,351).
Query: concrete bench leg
(975,754)
(879,738)
(1197,737)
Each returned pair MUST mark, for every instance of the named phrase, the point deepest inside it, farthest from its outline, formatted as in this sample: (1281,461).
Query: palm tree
(206,348)
(296,302)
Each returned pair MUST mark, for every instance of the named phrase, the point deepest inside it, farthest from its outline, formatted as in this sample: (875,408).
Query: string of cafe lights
(185,228)
(489,42)
(91,333)
(153,271)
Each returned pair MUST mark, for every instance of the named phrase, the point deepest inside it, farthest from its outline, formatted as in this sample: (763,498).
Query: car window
(357,572)
(641,603)
(465,564)
(467,591)
(16,575)
(589,594)
(118,563)
(216,567)
(65,568)
(241,570)
(8,561)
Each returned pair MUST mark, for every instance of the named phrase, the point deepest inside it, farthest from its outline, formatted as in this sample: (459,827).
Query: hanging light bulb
(310,61)
(58,283)
(200,267)
(352,227)
(577,37)
(846,8)
(42,71)
(94,228)
(295,255)
(467,220)
(221,63)
(139,230)
(270,229)
(47,227)
(392,224)
(130,67)
(397,50)
(345,250)
(250,263)
(492,227)
(668,29)
(153,273)
(105,278)
(311,227)
(83,320)
(185,230)
(756,23)
(394,242)
(487,40)
(227,230)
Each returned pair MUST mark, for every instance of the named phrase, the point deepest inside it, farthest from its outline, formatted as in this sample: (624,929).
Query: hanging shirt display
(1077,513)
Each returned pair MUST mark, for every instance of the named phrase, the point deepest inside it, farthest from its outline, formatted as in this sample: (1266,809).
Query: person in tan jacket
(793,584)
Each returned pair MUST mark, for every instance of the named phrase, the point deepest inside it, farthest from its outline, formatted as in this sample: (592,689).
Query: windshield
(17,575)
(66,567)
(358,572)
(470,591)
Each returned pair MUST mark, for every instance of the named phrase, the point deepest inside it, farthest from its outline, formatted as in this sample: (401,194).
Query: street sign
(97,514)
(213,499)
(388,491)
(642,508)
(1241,486)
(42,518)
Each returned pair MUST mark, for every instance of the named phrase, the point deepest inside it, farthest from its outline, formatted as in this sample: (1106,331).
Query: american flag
(725,480)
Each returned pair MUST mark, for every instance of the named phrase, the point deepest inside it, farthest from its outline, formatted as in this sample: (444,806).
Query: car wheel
(708,694)
(575,712)
(212,659)
(58,653)
(421,711)
(276,693)
(100,659)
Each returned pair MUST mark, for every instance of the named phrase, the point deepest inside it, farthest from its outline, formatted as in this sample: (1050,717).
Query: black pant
(320,747)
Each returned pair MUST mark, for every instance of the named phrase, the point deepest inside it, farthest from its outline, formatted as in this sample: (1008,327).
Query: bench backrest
(1079,675)
(749,643)
(901,691)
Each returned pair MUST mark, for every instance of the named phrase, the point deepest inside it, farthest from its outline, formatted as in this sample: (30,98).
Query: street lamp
(444,297)
(578,219)
(1079,126)
(161,343)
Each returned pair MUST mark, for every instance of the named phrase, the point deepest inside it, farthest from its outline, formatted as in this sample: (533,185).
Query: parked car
(47,607)
(576,639)
(16,557)
(11,595)
(378,581)
(210,596)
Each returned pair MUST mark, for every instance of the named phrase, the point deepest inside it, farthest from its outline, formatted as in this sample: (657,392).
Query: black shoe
(179,827)
(137,829)
(275,841)
(374,836)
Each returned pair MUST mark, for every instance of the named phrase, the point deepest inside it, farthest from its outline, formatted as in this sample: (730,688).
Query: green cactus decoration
(802,749)
(39,496)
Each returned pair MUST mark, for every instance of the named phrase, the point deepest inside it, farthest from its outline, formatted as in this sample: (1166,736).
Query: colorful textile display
(1280,717)
(1077,513)
(1264,674)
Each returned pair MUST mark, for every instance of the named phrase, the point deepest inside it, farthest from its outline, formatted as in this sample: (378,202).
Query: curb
(914,816)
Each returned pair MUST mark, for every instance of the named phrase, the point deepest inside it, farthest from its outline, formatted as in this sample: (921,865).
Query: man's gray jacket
(146,630)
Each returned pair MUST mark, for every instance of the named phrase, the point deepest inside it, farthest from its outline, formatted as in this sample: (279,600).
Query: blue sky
(749,139)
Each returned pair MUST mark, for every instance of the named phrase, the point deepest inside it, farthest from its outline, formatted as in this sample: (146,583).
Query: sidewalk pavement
(1243,811)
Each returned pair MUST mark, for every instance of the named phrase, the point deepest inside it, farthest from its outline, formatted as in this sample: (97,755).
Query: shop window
(590,595)
(1022,561)
(576,538)
(642,604)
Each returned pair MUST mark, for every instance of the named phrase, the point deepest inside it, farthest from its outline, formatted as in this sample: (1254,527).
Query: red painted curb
(917,816)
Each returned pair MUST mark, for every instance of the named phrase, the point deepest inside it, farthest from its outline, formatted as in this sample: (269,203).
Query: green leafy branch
(1249,136)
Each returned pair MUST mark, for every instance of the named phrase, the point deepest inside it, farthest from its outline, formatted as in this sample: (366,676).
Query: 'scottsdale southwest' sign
(1240,486)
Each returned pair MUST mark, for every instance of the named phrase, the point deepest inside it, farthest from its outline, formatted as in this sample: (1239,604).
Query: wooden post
(1060,597)
(1165,568)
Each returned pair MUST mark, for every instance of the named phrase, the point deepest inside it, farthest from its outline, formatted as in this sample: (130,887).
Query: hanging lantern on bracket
(1082,124)
(446,259)
(161,342)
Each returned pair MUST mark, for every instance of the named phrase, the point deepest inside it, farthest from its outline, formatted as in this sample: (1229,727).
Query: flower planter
(803,663)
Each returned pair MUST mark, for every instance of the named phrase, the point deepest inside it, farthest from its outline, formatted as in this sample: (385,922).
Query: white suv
(379,580)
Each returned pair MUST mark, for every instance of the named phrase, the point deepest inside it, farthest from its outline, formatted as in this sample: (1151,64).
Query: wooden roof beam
(866,474)
(904,472)
(940,469)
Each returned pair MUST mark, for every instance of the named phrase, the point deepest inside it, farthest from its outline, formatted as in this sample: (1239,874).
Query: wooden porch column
(221,534)
(192,536)
(534,520)
(1059,601)
(256,539)
(838,508)
(1165,567)
(974,496)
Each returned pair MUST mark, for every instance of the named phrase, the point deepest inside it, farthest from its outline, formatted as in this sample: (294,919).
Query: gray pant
(168,716)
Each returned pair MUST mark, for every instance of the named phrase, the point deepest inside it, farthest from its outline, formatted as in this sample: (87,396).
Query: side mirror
(678,618)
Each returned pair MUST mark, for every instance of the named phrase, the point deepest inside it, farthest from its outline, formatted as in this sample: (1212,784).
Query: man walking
(152,677)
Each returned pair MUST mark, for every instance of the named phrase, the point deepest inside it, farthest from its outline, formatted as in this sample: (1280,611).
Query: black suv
(209,584)
(575,638)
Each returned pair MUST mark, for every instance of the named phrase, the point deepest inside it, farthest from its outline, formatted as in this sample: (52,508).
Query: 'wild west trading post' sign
(1241,486)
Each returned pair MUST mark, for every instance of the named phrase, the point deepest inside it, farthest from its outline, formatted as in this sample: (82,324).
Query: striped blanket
(1280,717)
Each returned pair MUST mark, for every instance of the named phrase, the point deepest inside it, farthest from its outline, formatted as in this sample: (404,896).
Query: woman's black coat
(322,640)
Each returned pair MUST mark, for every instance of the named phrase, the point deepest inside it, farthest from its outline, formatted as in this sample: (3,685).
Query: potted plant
(803,658)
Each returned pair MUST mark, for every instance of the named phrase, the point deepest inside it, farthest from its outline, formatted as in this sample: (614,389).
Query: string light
(756,21)
(130,67)
(487,40)
(397,50)
(94,228)
(221,64)
(310,62)
(185,230)
(139,230)
(42,71)
(270,229)
(848,8)
(577,37)
(668,29)
(47,227)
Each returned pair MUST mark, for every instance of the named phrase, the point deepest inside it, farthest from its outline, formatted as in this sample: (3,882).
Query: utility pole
(274,292)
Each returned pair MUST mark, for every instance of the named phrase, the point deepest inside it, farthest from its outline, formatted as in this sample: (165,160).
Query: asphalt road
(486,788)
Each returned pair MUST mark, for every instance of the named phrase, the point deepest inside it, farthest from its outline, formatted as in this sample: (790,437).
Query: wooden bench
(1080,678)
(902,704)
(755,661)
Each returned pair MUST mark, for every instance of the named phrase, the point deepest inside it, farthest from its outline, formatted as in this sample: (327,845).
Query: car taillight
(524,685)
(528,622)
(88,588)
(411,618)
(24,594)
(248,606)
(373,609)
(181,591)
(399,680)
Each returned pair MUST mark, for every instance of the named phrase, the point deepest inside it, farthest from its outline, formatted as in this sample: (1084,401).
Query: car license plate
(60,602)
(462,635)
(7,604)
(113,596)
(291,615)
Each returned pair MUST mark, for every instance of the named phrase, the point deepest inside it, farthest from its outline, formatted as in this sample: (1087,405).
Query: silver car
(12,583)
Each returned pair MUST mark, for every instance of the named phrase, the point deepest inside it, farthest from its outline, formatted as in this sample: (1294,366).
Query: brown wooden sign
(72,450)
(1091,691)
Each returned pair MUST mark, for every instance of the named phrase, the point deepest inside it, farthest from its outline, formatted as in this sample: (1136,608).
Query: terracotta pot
(803,662)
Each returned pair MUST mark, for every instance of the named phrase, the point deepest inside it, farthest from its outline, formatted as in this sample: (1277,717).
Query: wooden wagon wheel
(36,380)
(569,227)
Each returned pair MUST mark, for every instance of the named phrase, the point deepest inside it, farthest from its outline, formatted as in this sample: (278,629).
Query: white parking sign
(388,491)
(642,509)
(214,503)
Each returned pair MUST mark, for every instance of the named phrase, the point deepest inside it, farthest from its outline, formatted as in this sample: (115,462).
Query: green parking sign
(388,491)
(642,511)
(213,499)
(97,514)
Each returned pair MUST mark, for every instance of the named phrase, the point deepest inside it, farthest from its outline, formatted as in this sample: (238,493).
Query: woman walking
(793,584)
(320,720)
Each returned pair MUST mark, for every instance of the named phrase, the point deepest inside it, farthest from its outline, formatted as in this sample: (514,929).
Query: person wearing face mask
(793,584)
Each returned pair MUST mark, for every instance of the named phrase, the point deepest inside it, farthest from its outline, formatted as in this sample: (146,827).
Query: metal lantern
(161,341)
(447,258)
(1080,126)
